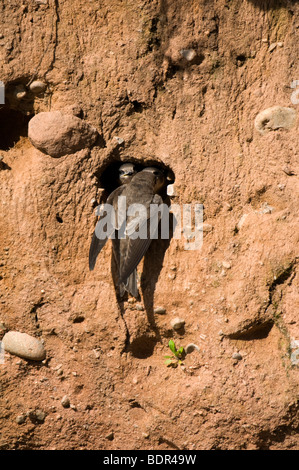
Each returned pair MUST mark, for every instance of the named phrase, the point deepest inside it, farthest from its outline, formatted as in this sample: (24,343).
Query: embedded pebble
(188,54)
(288,171)
(276,117)
(119,140)
(23,345)
(20,92)
(65,402)
(37,416)
(21,419)
(37,86)
(266,209)
(177,323)
(226,264)
(272,46)
(207,227)
(241,221)
(237,356)
(160,310)
(190,348)
(56,134)
(139,307)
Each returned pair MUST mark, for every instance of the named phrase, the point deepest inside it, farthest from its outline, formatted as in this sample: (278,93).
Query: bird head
(159,177)
(126,172)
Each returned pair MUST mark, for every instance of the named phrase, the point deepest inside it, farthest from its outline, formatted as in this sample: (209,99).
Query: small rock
(190,348)
(97,353)
(207,227)
(37,87)
(37,416)
(65,402)
(23,345)
(177,323)
(20,92)
(272,46)
(58,134)
(160,310)
(241,221)
(288,171)
(21,419)
(188,54)
(266,209)
(276,117)
(139,307)
(110,436)
(280,44)
(226,264)
(119,140)
(237,356)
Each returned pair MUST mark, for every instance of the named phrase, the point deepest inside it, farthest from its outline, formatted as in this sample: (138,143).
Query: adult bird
(129,248)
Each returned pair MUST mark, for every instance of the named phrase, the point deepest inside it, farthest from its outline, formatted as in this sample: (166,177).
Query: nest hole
(13,125)
(108,176)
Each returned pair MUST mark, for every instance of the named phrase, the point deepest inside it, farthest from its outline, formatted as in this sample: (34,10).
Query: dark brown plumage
(128,252)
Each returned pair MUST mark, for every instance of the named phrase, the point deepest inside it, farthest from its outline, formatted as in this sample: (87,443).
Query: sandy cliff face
(178,82)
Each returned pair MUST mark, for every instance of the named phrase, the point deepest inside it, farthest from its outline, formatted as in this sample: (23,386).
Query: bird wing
(97,244)
(136,248)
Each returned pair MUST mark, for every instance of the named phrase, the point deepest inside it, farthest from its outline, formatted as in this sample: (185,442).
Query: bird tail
(130,285)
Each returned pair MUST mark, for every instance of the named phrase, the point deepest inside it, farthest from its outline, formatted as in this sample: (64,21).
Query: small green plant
(178,355)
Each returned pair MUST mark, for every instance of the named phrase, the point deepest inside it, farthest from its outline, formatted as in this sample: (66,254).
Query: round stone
(23,345)
(276,117)
(177,323)
(37,87)
(237,356)
(65,401)
(56,134)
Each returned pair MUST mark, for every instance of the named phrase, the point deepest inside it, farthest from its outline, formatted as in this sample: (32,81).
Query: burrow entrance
(13,125)
(107,174)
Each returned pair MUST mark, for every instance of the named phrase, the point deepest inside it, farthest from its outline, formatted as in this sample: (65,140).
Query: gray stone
(37,86)
(177,323)
(65,402)
(190,348)
(21,419)
(188,54)
(58,134)
(20,92)
(276,117)
(237,356)
(23,345)
(160,310)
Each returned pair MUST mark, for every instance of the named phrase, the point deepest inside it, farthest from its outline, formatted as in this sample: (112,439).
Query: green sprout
(178,355)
